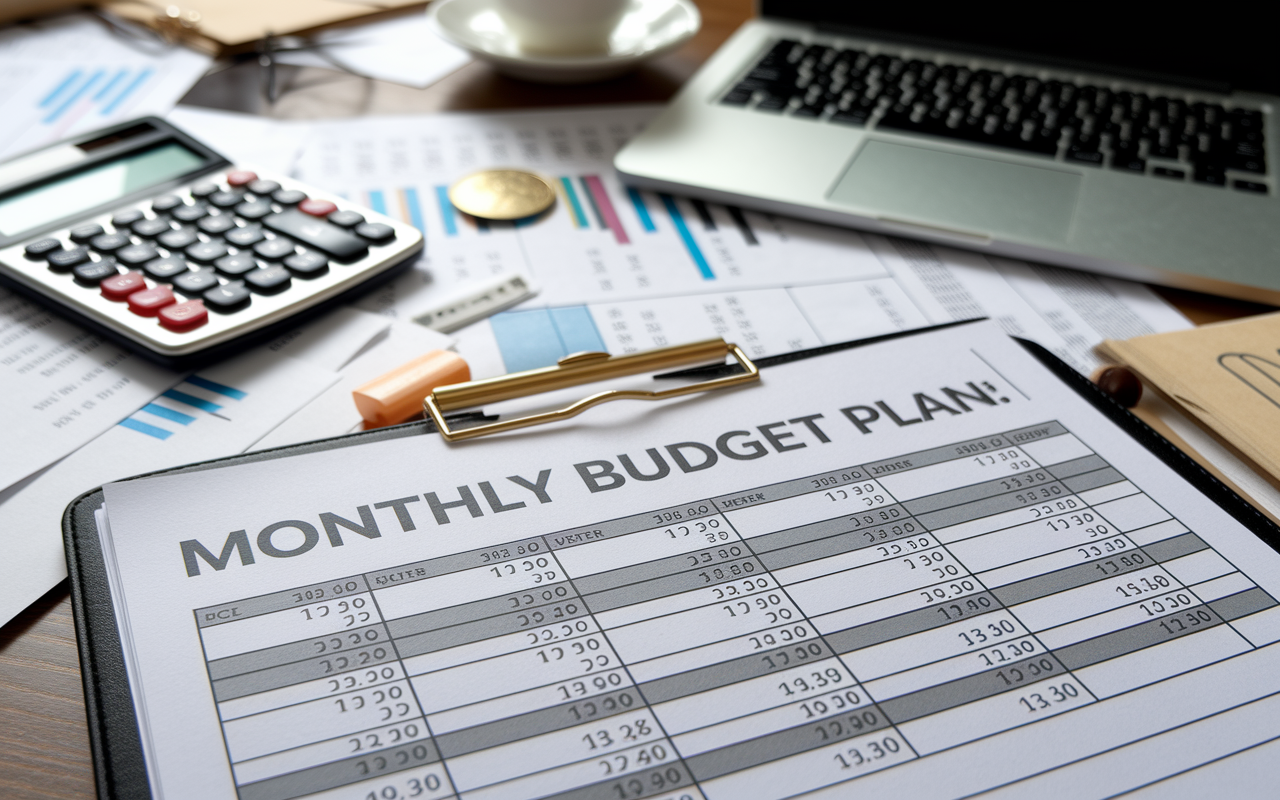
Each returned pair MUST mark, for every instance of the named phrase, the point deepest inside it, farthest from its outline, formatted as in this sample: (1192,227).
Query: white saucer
(649,28)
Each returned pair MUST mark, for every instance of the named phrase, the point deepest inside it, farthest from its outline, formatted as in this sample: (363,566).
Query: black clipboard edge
(1224,496)
(114,738)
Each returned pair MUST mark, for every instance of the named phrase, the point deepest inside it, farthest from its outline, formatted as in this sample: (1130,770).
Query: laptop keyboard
(1128,131)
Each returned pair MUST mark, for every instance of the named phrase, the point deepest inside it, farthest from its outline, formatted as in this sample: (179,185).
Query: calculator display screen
(94,186)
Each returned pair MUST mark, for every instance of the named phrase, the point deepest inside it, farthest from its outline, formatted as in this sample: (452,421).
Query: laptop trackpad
(966,193)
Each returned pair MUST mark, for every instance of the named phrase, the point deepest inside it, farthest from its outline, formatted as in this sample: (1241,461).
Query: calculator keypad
(213,258)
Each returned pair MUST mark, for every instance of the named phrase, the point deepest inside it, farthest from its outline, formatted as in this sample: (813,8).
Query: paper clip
(577,369)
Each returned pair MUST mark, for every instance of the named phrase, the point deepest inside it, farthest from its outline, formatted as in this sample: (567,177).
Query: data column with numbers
(734,671)
(313,698)
(523,693)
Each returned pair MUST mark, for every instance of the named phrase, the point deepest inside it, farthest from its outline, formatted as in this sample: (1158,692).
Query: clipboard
(115,740)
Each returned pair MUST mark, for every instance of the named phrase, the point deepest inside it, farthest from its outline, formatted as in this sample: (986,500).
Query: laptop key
(1209,173)
(1247,157)
(1249,186)
(1169,172)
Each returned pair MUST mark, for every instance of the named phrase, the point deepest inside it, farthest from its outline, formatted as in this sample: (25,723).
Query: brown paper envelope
(1227,375)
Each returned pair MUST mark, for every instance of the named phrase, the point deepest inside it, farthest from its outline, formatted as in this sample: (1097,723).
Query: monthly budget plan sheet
(923,568)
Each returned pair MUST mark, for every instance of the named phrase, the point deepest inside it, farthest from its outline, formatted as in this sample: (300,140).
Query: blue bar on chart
(446,211)
(540,337)
(71,78)
(133,85)
(690,243)
(169,414)
(216,388)
(172,415)
(412,208)
(642,211)
(74,96)
(142,427)
(377,201)
(571,202)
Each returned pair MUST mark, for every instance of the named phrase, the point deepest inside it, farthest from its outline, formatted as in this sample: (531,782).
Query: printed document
(924,568)
(623,269)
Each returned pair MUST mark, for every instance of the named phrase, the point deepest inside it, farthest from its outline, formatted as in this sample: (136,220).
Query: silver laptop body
(1153,219)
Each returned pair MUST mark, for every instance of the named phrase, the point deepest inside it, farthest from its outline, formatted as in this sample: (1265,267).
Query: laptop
(1134,144)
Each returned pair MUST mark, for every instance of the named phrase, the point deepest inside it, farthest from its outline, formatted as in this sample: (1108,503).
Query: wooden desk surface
(44,746)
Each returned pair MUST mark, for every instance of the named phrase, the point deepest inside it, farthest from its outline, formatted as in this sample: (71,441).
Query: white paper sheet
(402,50)
(623,270)
(334,412)
(920,569)
(268,386)
(71,74)
(62,386)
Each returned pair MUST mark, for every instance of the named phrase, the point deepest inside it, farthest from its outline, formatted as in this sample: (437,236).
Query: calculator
(142,233)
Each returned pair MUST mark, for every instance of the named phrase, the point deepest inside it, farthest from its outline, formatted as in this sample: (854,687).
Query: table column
(736,674)
(313,699)
(1104,575)
(524,694)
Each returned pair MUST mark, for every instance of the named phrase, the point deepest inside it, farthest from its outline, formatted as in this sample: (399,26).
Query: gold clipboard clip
(578,369)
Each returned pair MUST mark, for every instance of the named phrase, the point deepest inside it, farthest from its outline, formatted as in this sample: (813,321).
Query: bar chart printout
(649,268)
(998,573)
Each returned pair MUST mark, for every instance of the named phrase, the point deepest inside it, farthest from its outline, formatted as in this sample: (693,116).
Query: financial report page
(925,566)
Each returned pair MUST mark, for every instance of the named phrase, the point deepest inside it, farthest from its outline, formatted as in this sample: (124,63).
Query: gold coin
(502,194)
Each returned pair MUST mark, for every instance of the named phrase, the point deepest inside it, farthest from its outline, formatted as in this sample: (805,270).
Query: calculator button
(318,234)
(110,242)
(274,249)
(205,189)
(220,223)
(346,219)
(307,265)
(196,282)
(234,266)
(206,252)
(42,247)
(247,236)
(228,297)
(178,239)
(184,316)
(225,199)
(126,218)
(151,228)
(256,209)
(119,287)
(376,232)
(136,254)
(84,233)
(263,188)
(288,197)
(148,302)
(64,260)
(268,280)
(162,269)
(239,177)
(189,213)
(94,272)
(165,203)
(317,208)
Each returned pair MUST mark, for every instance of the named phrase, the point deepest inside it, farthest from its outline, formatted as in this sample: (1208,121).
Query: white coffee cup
(562,27)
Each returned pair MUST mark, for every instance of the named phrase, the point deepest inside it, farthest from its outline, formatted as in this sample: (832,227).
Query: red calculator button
(240,177)
(317,208)
(119,288)
(148,302)
(184,316)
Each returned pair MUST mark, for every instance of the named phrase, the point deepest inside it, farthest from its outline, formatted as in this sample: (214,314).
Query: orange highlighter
(396,396)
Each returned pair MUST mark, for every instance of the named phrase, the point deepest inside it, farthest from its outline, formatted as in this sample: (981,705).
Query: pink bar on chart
(606,208)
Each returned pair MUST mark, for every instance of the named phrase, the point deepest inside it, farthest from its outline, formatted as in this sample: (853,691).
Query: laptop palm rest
(969,194)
